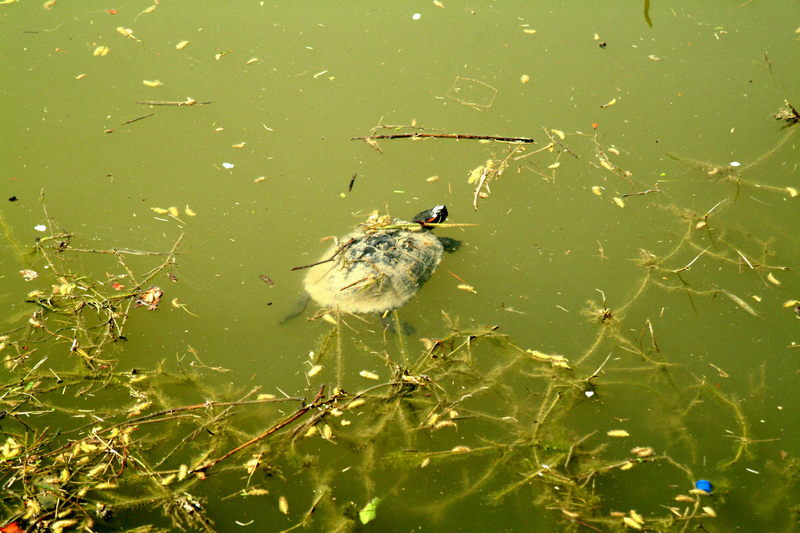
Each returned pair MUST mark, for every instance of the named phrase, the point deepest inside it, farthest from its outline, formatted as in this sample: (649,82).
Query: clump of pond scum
(399,431)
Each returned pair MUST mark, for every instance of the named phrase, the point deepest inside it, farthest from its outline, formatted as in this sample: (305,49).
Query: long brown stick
(445,136)
(297,414)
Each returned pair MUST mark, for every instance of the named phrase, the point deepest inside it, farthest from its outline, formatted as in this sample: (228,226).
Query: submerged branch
(317,402)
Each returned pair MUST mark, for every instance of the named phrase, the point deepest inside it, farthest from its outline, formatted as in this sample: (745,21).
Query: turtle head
(434,215)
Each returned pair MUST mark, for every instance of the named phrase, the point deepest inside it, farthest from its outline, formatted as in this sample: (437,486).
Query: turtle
(380,265)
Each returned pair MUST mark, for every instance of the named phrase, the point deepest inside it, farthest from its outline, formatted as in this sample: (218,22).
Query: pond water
(619,322)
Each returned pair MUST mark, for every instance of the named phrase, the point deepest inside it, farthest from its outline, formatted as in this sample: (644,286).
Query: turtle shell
(380,269)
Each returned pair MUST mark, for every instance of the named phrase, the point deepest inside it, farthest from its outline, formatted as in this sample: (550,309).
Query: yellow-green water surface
(649,236)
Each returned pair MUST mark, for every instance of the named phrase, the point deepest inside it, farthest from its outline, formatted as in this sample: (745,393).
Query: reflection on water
(613,340)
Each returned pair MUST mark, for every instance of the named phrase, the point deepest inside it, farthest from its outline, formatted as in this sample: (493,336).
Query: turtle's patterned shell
(380,270)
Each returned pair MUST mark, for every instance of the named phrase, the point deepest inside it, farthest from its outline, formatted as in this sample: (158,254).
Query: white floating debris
(228,165)
(416,16)
(589,393)
(40,227)
(735,164)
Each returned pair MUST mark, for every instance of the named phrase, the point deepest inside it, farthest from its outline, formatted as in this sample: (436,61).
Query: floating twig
(138,118)
(187,102)
(640,193)
(524,140)
(116,251)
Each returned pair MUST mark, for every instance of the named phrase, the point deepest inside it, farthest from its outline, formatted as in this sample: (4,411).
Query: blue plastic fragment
(704,484)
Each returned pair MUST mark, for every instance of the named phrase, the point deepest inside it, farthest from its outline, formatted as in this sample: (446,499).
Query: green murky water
(648,237)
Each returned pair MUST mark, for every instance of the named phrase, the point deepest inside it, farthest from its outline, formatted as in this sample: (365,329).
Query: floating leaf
(524,78)
(631,523)
(554,359)
(554,165)
(741,303)
(29,275)
(618,433)
(283,504)
(643,451)
(597,190)
(173,211)
(181,45)
(606,165)
(189,212)
(358,402)
(81,76)
(60,525)
(150,298)
(127,32)
(559,134)
(368,375)
(772,279)
(314,370)
(710,512)
(792,191)
(619,201)
(636,516)
(432,179)
(467,288)
(145,11)
(475,174)
(251,61)
(609,103)
(152,83)
(369,512)
(160,210)
(101,51)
